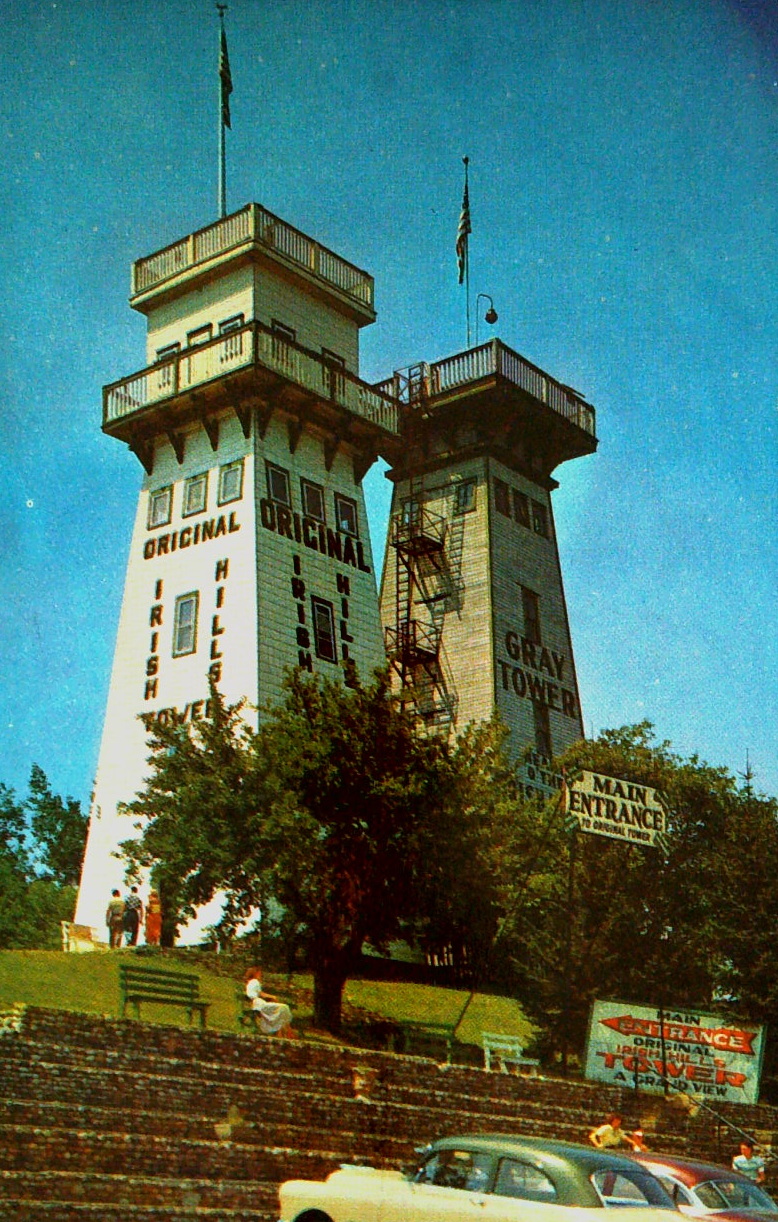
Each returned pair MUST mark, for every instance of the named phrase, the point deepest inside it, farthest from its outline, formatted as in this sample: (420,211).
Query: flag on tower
(225,77)
(463,229)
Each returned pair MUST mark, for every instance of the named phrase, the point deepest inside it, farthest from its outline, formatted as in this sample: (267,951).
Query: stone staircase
(109,1119)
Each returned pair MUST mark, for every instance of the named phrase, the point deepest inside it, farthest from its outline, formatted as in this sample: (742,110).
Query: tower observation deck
(472,600)
(248,361)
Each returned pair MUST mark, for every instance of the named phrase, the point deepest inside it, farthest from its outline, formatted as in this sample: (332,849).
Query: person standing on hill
(133,915)
(153,919)
(114,919)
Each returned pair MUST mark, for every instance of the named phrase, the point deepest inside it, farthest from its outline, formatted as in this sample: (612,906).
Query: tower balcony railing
(252,224)
(417,530)
(495,358)
(243,348)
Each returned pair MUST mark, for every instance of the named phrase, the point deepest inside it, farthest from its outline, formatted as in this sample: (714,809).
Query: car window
(678,1192)
(456,1169)
(528,1183)
(710,1196)
(623,1188)
(736,1194)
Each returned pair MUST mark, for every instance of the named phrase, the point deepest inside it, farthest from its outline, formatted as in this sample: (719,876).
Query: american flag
(225,76)
(463,229)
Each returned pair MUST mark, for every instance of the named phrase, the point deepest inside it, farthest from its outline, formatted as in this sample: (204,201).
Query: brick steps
(68,1211)
(104,1119)
(135,1153)
(94,1191)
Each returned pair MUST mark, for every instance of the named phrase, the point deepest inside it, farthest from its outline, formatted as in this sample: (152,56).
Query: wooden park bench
(427,1036)
(142,984)
(506,1050)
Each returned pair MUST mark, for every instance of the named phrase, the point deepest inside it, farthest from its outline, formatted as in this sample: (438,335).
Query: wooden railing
(495,358)
(253,224)
(254,344)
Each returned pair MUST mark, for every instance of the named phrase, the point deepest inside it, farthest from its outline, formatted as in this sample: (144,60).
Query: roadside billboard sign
(703,1055)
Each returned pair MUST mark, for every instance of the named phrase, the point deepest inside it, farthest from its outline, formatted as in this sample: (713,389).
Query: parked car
(705,1188)
(509,1179)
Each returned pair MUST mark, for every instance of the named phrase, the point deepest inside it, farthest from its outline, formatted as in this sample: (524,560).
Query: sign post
(621,810)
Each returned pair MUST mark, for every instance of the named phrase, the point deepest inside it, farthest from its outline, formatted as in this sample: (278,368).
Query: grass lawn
(89,983)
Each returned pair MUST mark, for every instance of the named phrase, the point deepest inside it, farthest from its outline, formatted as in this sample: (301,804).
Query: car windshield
(623,1188)
(734,1194)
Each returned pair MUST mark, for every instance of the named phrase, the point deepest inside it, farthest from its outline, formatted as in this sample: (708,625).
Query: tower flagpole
(225,89)
(463,251)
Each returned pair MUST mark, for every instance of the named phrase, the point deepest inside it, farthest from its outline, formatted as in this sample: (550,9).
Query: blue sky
(624,164)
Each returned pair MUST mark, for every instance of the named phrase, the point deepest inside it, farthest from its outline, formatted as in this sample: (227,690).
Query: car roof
(689,1170)
(587,1157)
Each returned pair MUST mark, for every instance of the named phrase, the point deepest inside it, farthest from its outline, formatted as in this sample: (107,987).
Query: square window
(464,496)
(195,495)
(278,484)
(231,324)
(530,606)
(281,331)
(502,497)
(185,625)
(411,513)
(324,630)
(231,334)
(346,515)
(160,507)
(168,352)
(540,519)
(200,335)
(333,358)
(313,500)
(231,482)
(520,507)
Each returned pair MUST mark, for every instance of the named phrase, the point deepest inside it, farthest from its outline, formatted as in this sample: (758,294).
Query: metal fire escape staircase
(414,644)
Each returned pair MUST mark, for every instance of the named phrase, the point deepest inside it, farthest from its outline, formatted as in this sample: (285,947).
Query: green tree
(59,831)
(658,926)
(322,810)
(31,908)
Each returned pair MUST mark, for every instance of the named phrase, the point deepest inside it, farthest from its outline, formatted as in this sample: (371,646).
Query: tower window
(234,323)
(324,630)
(231,482)
(200,335)
(540,519)
(502,497)
(346,515)
(530,606)
(520,507)
(313,500)
(464,496)
(160,507)
(195,495)
(185,624)
(543,744)
(281,330)
(232,338)
(278,484)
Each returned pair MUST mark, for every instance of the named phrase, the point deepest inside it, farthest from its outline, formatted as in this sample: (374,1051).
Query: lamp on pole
(490,316)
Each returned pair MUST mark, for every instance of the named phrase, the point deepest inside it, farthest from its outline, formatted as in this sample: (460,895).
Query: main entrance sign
(619,809)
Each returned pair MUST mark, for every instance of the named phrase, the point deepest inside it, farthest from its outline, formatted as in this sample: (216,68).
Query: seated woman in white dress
(275,1018)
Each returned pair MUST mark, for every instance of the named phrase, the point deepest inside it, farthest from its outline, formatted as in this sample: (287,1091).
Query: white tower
(250,552)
